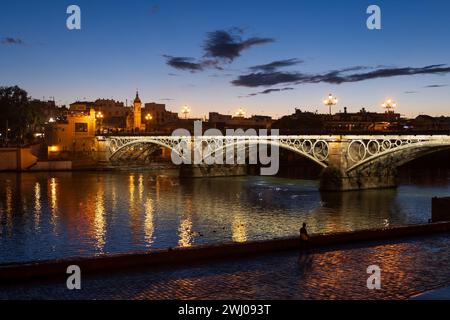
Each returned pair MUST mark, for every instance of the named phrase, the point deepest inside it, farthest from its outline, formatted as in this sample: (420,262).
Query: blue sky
(124,45)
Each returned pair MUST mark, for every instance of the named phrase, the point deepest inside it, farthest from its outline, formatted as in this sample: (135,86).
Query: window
(81,127)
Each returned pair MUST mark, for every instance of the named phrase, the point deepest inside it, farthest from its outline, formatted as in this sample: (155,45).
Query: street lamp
(186,110)
(330,101)
(240,113)
(148,118)
(389,105)
(99,117)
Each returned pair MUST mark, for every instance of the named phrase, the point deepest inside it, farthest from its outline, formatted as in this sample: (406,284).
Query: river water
(70,214)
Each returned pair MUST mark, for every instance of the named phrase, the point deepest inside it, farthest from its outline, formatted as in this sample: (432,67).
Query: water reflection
(99,218)
(239,232)
(114,197)
(37,205)
(90,213)
(149,224)
(9,206)
(185,230)
(53,200)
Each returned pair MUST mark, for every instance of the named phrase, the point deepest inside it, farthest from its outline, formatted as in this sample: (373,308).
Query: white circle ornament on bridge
(373,147)
(307,146)
(386,145)
(320,150)
(357,151)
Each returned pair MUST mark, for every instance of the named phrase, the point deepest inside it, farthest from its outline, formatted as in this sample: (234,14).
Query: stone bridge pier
(371,162)
(337,176)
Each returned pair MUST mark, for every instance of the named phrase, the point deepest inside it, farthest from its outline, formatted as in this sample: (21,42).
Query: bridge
(349,162)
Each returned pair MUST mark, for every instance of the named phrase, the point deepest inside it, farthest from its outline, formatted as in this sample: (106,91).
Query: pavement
(412,268)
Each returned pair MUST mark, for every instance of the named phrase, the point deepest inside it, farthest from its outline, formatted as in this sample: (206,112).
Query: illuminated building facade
(74,135)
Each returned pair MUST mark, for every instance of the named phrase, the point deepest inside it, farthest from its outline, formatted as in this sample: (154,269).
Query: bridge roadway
(349,162)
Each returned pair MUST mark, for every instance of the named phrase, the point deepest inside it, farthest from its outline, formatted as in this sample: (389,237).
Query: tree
(18,117)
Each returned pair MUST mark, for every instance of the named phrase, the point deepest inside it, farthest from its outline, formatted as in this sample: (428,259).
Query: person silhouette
(305,259)
(304,237)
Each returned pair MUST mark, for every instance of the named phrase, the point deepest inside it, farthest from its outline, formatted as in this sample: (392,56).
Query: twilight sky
(267,57)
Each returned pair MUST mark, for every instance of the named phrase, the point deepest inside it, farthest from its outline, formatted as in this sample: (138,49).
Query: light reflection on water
(54,215)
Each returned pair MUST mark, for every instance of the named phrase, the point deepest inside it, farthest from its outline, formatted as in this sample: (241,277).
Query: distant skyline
(267,57)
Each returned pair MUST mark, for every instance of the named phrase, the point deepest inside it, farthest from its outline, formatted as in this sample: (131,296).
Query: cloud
(411,92)
(258,79)
(266,79)
(215,75)
(228,45)
(386,73)
(268,91)
(190,64)
(270,67)
(436,86)
(12,41)
(183,63)
(220,47)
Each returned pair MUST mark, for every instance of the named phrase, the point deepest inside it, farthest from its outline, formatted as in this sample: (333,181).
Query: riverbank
(409,266)
(183,256)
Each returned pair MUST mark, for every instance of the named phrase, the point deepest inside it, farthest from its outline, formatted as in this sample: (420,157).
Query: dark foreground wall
(182,256)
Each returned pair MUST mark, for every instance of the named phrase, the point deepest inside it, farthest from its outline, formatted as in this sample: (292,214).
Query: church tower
(137,112)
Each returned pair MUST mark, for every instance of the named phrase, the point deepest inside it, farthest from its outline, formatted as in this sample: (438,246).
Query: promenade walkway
(409,267)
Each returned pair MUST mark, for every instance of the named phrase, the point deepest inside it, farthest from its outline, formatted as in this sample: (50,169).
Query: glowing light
(330,101)
(240,113)
(185,111)
(389,105)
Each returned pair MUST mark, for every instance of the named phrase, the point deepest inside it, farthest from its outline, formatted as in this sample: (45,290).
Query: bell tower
(137,112)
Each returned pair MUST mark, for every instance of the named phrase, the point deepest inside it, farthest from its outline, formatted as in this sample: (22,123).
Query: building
(134,118)
(363,121)
(152,118)
(115,117)
(159,114)
(113,114)
(73,136)
(314,123)
(223,122)
(426,123)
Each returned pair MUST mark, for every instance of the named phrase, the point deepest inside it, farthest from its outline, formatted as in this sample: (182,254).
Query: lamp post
(389,105)
(330,101)
(186,110)
(240,113)
(99,117)
(148,118)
